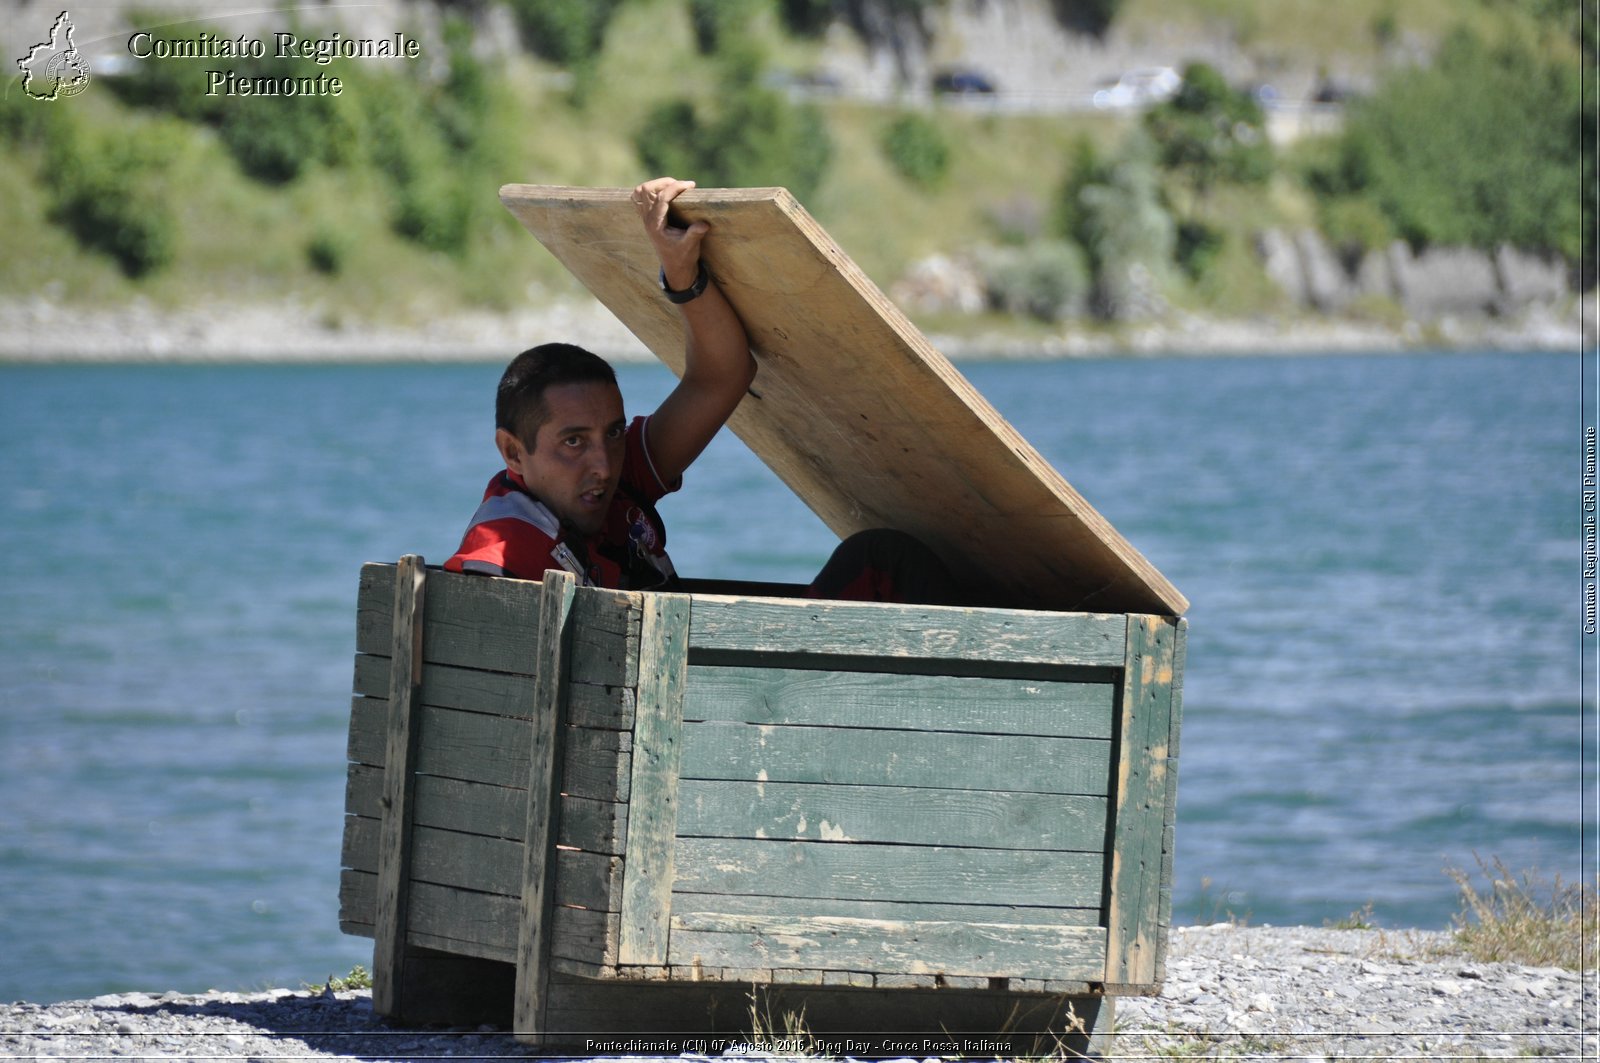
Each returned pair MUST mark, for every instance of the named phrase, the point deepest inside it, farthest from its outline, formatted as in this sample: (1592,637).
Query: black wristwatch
(694,291)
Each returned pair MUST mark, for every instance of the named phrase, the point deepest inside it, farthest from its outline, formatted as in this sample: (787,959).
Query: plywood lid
(852,407)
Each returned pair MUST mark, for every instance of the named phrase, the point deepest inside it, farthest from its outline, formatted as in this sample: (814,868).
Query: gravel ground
(1231,992)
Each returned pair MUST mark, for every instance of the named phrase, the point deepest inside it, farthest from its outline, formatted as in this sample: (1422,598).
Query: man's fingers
(654,197)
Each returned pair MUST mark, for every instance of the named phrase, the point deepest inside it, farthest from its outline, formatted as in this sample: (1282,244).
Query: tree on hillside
(753,136)
(1210,133)
(568,32)
(1476,150)
(1112,207)
(1588,108)
(1086,16)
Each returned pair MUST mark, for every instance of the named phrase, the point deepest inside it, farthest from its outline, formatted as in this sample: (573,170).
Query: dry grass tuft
(1523,919)
(786,1036)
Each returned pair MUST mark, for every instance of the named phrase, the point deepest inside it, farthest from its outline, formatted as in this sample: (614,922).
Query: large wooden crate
(621,810)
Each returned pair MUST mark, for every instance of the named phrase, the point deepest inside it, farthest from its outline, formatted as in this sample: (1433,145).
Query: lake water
(1382,554)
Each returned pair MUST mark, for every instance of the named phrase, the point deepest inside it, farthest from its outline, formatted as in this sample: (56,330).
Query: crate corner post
(544,787)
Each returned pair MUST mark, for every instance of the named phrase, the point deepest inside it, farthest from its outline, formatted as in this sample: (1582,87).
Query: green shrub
(1085,167)
(1087,16)
(1112,206)
(172,86)
(1476,149)
(718,24)
(1048,280)
(1589,168)
(806,18)
(1210,132)
(918,150)
(431,144)
(569,32)
(1129,235)
(273,138)
(460,107)
(327,251)
(106,190)
(762,139)
(1196,246)
(436,212)
(754,138)
(668,142)
(1122,218)
(1354,224)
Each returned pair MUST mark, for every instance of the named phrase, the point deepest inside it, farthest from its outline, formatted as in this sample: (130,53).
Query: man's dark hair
(519,405)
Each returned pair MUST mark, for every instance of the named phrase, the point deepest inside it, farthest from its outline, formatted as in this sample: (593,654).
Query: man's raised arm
(718,366)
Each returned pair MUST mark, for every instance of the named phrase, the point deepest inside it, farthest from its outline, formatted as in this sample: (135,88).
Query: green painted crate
(620,810)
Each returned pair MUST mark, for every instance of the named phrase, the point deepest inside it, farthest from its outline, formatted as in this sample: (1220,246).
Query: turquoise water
(1382,553)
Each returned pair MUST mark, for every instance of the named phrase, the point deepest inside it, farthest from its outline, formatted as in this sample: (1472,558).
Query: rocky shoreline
(39,329)
(1230,992)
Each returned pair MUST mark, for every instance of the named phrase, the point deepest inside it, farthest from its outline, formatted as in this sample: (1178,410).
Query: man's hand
(678,249)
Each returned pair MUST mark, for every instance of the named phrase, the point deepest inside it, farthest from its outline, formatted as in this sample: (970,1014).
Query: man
(581,481)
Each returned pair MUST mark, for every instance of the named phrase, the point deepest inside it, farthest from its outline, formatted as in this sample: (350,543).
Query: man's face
(577,460)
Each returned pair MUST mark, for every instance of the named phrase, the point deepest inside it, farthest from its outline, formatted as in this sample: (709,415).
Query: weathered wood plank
(870,757)
(597,764)
(538,879)
(898,814)
(1139,816)
(591,825)
(395,836)
(653,804)
(493,622)
(449,804)
(608,707)
(931,633)
(583,935)
(906,948)
(441,917)
(881,910)
(495,750)
(605,638)
(443,858)
(912,702)
(445,686)
(888,872)
(588,880)
(494,811)
(1164,915)
(489,865)
(890,980)
(459,745)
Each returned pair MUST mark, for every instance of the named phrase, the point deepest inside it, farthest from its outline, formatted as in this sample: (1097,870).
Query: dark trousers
(884,565)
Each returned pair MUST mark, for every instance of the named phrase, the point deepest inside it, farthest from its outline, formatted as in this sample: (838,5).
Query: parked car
(1329,92)
(962,83)
(1139,88)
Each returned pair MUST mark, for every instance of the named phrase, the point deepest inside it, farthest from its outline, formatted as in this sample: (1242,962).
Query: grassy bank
(380,205)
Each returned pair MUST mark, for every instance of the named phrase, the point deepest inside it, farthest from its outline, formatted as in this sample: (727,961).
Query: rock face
(940,284)
(1441,281)
(1435,284)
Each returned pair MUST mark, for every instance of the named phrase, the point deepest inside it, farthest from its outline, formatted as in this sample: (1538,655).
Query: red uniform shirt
(515,534)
